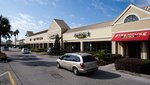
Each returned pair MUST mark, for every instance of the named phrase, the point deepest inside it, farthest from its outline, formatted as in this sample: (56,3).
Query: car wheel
(75,71)
(58,65)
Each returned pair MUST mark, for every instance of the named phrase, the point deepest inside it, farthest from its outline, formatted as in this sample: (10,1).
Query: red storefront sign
(132,36)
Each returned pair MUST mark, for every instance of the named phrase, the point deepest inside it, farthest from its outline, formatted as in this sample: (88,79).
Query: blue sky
(36,15)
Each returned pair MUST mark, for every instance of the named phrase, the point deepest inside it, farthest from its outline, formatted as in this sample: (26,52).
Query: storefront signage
(53,37)
(82,35)
(131,36)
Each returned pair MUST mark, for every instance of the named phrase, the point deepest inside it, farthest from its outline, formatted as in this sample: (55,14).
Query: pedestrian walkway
(126,74)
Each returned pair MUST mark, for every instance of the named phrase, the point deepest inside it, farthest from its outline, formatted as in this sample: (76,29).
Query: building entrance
(133,49)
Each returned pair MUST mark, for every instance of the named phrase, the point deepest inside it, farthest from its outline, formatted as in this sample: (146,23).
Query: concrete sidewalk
(137,76)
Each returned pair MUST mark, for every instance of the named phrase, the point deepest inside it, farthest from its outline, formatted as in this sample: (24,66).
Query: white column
(47,45)
(113,47)
(121,49)
(81,46)
(144,50)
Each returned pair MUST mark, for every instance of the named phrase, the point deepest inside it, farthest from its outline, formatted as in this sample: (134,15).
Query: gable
(132,10)
(54,26)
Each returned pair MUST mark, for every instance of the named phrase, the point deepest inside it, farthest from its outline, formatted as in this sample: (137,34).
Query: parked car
(5,48)
(78,62)
(53,51)
(25,51)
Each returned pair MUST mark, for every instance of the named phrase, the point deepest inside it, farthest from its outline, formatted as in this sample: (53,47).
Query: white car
(25,51)
(78,62)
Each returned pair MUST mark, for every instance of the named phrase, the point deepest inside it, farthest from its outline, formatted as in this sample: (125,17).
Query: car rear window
(88,58)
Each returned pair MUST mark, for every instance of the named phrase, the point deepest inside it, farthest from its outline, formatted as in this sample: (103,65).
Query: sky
(37,15)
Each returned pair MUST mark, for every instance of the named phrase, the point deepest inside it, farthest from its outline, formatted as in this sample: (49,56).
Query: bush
(112,57)
(133,65)
(3,56)
(145,69)
(38,50)
(102,62)
(100,54)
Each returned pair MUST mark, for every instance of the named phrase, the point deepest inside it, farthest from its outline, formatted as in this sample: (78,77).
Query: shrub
(112,57)
(38,50)
(102,62)
(100,54)
(145,69)
(2,56)
(133,65)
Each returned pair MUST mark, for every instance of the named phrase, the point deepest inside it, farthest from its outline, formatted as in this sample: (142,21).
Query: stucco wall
(43,35)
(132,26)
(99,34)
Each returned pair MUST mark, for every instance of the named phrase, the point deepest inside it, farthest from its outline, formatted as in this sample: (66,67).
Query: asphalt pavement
(35,69)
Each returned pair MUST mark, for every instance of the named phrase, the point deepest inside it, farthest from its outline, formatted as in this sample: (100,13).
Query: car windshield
(88,58)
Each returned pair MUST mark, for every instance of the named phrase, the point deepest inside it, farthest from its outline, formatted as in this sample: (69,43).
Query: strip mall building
(128,35)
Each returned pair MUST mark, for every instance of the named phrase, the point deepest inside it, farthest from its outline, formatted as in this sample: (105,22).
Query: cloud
(54,4)
(42,2)
(103,8)
(26,22)
(140,3)
(72,16)
(74,25)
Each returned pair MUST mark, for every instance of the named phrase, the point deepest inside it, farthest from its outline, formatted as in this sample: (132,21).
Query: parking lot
(37,69)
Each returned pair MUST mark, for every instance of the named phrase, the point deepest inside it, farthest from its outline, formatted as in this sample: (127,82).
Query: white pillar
(113,47)
(121,49)
(47,45)
(144,50)
(81,46)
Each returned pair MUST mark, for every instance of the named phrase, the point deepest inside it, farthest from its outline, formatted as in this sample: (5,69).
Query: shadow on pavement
(40,63)
(23,55)
(100,74)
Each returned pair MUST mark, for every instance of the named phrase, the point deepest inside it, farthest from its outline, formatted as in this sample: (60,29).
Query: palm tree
(11,34)
(4,28)
(16,34)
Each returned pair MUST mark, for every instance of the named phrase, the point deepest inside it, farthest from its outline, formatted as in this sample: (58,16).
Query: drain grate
(56,75)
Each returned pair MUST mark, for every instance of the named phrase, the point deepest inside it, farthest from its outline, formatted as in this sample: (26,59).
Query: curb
(134,74)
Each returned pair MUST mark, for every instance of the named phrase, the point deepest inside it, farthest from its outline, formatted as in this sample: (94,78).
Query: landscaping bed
(133,65)
(38,50)
(3,57)
(105,58)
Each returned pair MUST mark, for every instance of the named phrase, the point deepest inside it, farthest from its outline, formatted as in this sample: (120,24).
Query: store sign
(53,37)
(131,36)
(82,35)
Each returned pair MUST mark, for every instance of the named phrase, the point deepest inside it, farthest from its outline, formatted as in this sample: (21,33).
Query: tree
(4,28)
(57,42)
(11,34)
(16,34)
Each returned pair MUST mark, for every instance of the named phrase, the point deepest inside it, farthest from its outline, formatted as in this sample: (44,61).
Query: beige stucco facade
(99,36)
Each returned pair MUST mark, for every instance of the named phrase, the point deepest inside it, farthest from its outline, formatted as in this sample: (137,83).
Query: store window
(131,18)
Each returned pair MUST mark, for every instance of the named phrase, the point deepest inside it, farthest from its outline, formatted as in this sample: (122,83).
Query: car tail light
(82,65)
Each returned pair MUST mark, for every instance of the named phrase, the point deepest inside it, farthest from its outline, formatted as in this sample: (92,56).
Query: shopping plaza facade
(128,35)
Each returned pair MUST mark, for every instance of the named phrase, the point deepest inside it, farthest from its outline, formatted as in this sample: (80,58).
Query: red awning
(132,36)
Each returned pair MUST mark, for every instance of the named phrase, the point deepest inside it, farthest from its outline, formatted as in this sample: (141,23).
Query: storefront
(127,35)
(132,44)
